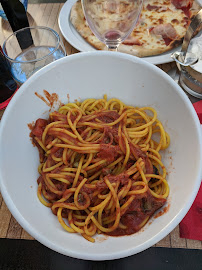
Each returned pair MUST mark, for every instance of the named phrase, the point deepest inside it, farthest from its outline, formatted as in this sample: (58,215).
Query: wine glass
(112,21)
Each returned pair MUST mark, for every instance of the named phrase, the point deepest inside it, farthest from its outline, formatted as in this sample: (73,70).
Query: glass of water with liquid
(31,48)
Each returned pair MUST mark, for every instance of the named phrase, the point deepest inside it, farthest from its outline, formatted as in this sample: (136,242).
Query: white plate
(90,75)
(76,40)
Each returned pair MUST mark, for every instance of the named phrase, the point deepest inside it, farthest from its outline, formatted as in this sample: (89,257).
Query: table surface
(46,14)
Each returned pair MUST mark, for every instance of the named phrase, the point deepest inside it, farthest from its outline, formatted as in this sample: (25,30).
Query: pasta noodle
(100,166)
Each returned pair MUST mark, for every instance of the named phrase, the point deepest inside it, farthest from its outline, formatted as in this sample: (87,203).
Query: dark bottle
(17,17)
(7,84)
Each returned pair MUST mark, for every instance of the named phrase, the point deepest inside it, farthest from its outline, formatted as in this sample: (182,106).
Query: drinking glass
(31,48)
(112,21)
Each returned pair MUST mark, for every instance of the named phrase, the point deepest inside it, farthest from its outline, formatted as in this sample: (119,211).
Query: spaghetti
(100,166)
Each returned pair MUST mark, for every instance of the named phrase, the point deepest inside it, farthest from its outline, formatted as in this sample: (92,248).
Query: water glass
(30,49)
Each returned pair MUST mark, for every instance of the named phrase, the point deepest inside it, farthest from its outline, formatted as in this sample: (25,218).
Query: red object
(4,104)
(191,225)
(185,5)
(181,3)
(164,30)
(198,108)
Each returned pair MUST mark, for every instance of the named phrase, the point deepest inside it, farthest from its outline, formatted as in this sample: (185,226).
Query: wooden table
(47,15)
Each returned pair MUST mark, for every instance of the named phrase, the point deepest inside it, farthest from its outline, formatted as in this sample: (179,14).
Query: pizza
(161,26)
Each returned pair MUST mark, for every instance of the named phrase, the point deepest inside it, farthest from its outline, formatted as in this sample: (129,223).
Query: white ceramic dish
(86,75)
(74,38)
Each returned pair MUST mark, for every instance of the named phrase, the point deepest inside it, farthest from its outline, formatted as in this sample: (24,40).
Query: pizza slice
(161,27)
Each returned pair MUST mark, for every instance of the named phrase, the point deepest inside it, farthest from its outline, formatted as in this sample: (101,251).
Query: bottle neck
(17,17)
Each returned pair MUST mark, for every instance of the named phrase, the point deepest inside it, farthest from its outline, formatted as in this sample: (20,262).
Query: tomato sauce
(108,152)
(151,7)
(163,211)
(39,127)
(108,117)
(137,152)
(167,40)
(142,207)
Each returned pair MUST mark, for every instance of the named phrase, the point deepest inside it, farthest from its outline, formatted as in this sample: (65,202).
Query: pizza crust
(150,44)
(143,52)
(79,22)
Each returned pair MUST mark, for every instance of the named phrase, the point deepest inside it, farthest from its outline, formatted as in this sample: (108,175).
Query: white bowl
(90,75)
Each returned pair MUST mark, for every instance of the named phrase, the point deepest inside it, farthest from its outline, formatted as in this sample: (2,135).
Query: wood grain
(165,242)
(26,236)
(176,241)
(14,229)
(47,15)
(1,200)
(194,244)
(5,217)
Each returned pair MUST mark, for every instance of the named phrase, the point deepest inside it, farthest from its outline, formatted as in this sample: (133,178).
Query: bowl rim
(123,253)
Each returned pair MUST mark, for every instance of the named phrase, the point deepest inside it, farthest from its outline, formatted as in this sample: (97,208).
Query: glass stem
(112,48)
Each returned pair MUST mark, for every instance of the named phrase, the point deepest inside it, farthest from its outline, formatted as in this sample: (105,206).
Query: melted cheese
(145,43)
(154,17)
